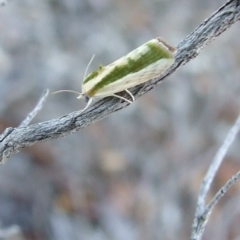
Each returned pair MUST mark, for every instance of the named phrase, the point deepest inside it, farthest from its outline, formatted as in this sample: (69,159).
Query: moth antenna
(85,74)
(71,91)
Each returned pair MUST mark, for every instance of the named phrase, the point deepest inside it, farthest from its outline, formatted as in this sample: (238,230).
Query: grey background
(136,174)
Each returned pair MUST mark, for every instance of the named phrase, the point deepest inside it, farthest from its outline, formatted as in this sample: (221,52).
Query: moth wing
(133,79)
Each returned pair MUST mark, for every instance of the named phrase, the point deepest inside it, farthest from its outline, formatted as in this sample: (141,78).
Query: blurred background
(136,174)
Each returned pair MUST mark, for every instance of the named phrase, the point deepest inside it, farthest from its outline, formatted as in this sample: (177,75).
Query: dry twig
(203,212)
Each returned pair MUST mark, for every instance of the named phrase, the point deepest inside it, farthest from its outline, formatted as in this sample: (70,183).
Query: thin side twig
(202,211)
(203,219)
(217,160)
(187,49)
(220,194)
(36,109)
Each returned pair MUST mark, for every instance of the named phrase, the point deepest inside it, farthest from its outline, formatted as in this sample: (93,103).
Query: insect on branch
(187,49)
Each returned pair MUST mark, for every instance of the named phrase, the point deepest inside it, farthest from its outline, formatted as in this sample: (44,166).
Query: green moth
(141,65)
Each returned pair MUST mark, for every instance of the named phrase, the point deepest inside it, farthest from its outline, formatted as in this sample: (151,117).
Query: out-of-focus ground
(135,175)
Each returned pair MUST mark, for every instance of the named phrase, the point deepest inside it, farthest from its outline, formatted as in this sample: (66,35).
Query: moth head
(81,95)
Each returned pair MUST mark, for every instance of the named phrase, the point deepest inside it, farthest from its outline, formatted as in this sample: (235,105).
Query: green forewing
(155,53)
(93,74)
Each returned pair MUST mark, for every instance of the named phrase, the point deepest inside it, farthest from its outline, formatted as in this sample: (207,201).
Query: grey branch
(220,194)
(203,212)
(188,49)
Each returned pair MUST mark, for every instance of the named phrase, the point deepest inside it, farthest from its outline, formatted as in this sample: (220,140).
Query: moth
(140,65)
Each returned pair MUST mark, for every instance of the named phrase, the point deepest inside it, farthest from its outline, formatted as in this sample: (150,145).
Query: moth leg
(130,94)
(87,106)
(123,98)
